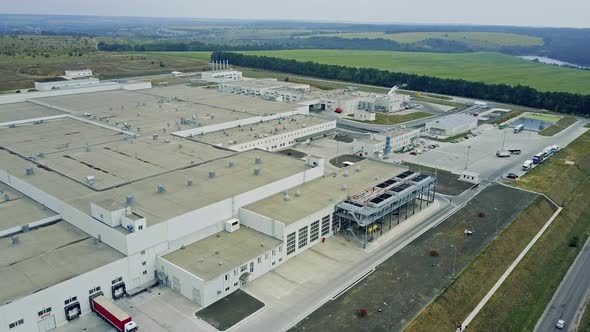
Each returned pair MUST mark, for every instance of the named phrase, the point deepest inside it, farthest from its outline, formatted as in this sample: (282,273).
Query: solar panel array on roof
(387,183)
(405,174)
(401,187)
(380,198)
(420,177)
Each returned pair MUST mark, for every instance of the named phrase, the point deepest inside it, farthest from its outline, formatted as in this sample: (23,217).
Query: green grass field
(383,119)
(481,39)
(486,67)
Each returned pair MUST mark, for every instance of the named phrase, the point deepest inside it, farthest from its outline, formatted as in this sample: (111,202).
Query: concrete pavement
(570,298)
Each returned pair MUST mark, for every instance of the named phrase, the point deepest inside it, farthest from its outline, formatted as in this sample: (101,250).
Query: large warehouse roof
(46,256)
(260,130)
(19,210)
(179,198)
(25,110)
(232,250)
(328,190)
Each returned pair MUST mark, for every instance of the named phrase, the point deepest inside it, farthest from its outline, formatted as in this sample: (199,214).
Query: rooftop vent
(262,244)
(345,173)
(161,189)
(90,180)
(358,169)
(211,174)
(220,263)
(257,171)
(15,240)
(258,160)
(286,196)
(130,199)
(6,197)
(298,193)
(189,183)
(231,164)
(26,228)
(343,187)
(29,171)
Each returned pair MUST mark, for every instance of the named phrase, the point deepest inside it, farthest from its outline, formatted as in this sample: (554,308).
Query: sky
(562,13)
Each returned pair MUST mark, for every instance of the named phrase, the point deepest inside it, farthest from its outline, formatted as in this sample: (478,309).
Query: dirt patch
(230,310)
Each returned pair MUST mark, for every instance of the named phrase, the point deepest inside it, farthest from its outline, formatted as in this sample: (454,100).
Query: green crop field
(480,39)
(486,67)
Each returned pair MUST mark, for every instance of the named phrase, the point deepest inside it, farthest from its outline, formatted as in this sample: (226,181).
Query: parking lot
(482,150)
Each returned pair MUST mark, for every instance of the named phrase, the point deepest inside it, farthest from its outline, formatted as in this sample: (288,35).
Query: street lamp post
(455,259)
(467,161)
(497,218)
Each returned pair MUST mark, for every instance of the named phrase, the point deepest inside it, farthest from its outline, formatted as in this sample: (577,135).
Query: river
(549,61)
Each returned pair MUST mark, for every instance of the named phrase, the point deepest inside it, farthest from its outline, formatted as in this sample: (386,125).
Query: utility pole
(503,140)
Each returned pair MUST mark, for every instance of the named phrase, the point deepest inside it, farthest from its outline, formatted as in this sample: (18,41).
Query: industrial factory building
(451,125)
(111,192)
(381,144)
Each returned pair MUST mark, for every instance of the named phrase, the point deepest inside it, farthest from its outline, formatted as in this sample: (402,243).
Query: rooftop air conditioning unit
(232,225)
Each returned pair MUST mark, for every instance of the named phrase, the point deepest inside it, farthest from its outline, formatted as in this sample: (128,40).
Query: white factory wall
(371,148)
(307,221)
(183,282)
(280,141)
(27,308)
(73,84)
(242,122)
(262,224)
(24,96)
(108,235)
(218,288)
(207,293)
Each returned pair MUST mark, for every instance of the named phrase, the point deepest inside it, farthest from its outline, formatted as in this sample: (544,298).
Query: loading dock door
(47,324)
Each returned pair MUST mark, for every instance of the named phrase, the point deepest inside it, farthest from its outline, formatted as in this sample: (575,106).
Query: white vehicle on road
(560,324)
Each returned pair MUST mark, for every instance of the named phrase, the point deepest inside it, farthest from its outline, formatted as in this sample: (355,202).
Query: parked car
(560,324)
(414,153)
(512,176)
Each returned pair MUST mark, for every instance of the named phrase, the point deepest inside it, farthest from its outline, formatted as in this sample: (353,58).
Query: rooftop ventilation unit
(189,183)
(258,160)
(344,187)
(90,180)
(298,193)
(130,199)
(26,228)
(6,197)
(211,174)
(345,173)
(286,197)
(231,164)
(358,169)
(29,171)
(15,240)
(257,171)
(161,189)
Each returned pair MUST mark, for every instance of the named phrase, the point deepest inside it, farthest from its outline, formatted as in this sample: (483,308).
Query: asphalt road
(569,299)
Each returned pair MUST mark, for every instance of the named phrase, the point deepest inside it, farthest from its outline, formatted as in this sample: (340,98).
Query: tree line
(562,102)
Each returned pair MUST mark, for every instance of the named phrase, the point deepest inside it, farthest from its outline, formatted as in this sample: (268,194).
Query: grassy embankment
(384,119)
(520,301)
(559,126)
(463,294)
(486,67)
